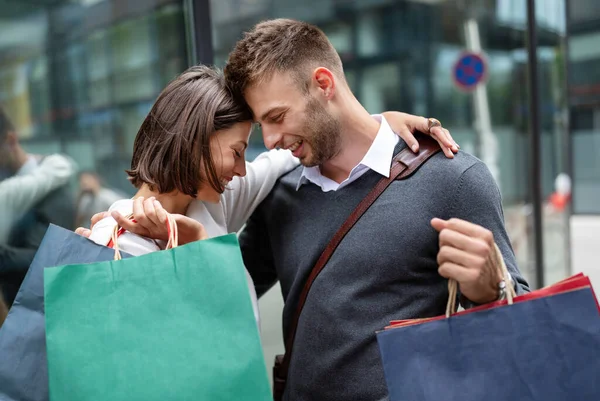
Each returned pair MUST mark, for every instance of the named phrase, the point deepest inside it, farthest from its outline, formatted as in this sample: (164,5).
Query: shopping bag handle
(171,229)
(502,270)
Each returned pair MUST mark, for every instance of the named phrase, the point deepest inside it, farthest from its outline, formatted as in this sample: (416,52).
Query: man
(394,262)
(35,195)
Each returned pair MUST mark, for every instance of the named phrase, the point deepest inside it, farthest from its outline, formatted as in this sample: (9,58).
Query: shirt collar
(28,166)
(378,158)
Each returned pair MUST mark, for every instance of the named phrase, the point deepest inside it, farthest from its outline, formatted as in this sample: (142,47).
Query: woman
(188,160)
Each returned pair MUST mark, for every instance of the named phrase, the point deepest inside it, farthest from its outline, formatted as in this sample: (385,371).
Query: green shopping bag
(170,325)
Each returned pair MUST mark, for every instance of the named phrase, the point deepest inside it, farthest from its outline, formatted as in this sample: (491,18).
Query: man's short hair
(172,145)
(6,125)
(280,45)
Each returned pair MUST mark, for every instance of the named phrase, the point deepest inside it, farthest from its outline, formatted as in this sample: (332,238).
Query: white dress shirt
(240,199)
(378,158)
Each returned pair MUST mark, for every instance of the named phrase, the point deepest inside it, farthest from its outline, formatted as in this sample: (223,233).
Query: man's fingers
(438,224)
(463,242)
(471,230)
(448,254)
(456,272)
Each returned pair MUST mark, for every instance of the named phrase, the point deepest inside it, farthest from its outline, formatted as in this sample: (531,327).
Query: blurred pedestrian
(34,195)
(93,197)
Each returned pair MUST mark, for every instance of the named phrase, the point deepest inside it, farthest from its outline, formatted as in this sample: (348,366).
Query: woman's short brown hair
(173,142)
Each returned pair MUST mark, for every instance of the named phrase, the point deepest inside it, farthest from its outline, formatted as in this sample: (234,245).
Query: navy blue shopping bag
(23,363)
(545,346)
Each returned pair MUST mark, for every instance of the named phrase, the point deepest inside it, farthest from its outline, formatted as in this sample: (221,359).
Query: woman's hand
(150,220)
(405,125)
(86,232)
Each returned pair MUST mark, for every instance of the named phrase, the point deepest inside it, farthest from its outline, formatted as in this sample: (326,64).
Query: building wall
(79,78)
(584,100)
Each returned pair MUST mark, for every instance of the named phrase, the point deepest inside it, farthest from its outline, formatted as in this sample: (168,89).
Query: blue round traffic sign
(469,71)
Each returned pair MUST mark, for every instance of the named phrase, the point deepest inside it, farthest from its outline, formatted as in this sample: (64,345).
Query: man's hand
(150,220)
(466,255)
(407,124)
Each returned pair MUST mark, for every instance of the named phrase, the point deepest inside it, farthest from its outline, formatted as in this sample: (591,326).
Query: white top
(237,203)
(30,185)
(378,158)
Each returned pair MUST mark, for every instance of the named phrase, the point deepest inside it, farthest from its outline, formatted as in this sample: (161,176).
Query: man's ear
(325,81)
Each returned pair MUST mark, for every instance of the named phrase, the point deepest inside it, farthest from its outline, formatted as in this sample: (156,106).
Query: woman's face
(228,148)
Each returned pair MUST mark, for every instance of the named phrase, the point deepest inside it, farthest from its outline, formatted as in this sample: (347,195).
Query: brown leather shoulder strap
(404,164)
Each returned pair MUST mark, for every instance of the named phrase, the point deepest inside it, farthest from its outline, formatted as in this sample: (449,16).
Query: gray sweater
(384,269)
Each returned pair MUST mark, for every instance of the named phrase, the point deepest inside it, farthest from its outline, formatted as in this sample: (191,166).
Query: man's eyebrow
(266,114)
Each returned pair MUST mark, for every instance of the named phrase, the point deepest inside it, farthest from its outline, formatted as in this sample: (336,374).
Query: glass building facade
(79,77)
(584,101)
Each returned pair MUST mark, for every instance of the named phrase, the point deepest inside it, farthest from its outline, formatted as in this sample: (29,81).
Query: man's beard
(322,132)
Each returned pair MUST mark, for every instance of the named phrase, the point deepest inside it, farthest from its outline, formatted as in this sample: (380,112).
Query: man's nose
(271,137)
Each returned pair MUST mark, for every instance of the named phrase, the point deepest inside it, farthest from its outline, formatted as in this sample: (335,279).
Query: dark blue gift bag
(23,364)
(545,346)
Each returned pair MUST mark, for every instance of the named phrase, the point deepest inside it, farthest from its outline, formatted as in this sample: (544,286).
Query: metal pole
(568,138)
(199,32)
(535,137)
(488,143)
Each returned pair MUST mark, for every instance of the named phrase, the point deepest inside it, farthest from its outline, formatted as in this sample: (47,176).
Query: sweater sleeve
(246,193)
(478,200)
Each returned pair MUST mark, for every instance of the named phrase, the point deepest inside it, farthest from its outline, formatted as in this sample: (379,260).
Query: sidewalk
(585,248)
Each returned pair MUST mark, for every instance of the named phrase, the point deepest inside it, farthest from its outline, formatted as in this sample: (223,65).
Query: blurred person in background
(33,194)
(93,197)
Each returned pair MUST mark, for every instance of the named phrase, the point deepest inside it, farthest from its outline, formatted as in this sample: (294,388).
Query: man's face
(295,120)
